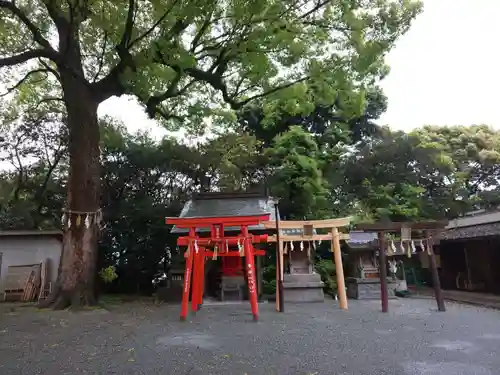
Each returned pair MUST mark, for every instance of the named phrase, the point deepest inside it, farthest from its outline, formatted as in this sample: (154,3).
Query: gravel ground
(413,339)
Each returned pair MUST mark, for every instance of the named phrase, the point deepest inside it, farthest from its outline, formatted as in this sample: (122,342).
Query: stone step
(297,285)
(369,290)
(303,295)
(302,278)
(306,287)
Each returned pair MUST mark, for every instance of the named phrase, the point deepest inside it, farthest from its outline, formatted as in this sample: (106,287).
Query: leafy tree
(327,124)
(232,162)
(143,181)
(431,172)
(470,158)
(33,152)
(297,178)
(185,59)
(379,176)
(333,136)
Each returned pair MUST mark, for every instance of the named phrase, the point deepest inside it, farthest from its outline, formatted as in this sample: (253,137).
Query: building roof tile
(218,204)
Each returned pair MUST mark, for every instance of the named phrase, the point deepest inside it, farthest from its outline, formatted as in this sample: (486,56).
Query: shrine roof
(361,238)
(227,204)
(473,225)
(473,231)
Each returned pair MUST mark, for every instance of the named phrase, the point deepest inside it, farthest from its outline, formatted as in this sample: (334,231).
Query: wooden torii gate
(308,228)
(429,229)
(218,243)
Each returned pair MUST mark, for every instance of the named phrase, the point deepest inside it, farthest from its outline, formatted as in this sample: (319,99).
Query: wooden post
(250,270)
(279,264)
(187,282)
(469,278)
(277,278)
(201,290)
(436,283)
(195,279)
(282,262)
(339,270)
(282,293)
(258,266)
(384,296)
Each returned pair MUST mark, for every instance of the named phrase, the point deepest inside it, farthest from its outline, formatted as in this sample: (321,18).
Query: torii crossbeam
(217,244)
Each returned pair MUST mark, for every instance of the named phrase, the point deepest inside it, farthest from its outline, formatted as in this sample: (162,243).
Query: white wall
(17,251)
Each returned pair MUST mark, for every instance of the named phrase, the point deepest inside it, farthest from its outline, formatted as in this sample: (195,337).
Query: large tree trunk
(75,285)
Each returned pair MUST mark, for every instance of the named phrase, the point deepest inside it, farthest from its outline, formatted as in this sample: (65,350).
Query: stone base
(232,288)
(368,288)
(303,288)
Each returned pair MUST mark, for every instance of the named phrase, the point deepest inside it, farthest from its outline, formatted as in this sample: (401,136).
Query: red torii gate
(218,244)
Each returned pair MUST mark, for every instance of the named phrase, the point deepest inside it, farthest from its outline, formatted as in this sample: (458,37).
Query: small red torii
(218,244)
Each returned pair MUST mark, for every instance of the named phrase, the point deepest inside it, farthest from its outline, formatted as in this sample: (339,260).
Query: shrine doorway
(225,280)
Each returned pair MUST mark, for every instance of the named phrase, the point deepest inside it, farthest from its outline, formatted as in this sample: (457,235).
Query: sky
(444,71)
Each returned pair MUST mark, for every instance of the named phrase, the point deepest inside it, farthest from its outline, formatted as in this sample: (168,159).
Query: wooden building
(470,253)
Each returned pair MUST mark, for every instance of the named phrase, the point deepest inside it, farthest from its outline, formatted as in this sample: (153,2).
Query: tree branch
(110,84)
(317,7)
(200,32)
(155,25)
(52,166)
(22,80)
(168,116)
(101,57)
(24,57)
(50,69)
(21,174)
(272,91)
(48,99)
(129,25)
(35,31)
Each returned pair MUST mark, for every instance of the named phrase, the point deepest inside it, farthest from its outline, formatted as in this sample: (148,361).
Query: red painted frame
(205,247)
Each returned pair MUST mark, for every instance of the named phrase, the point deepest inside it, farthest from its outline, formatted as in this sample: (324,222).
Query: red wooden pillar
(187,277)
(250,269)
(196,278)
(201,278)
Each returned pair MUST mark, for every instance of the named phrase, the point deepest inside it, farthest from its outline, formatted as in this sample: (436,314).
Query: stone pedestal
(232,288)
(302,284)
(303,288)
(358,288)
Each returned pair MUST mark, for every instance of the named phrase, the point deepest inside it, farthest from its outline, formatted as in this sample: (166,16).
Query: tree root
(47,303)
(76,300)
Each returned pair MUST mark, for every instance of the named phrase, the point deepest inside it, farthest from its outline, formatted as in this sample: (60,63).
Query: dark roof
(31,233)
(227,204)
(395,226)
(473,231)
(356,237)
(362,240)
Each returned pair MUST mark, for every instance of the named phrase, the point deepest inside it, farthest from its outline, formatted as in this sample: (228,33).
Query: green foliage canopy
(186,60)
